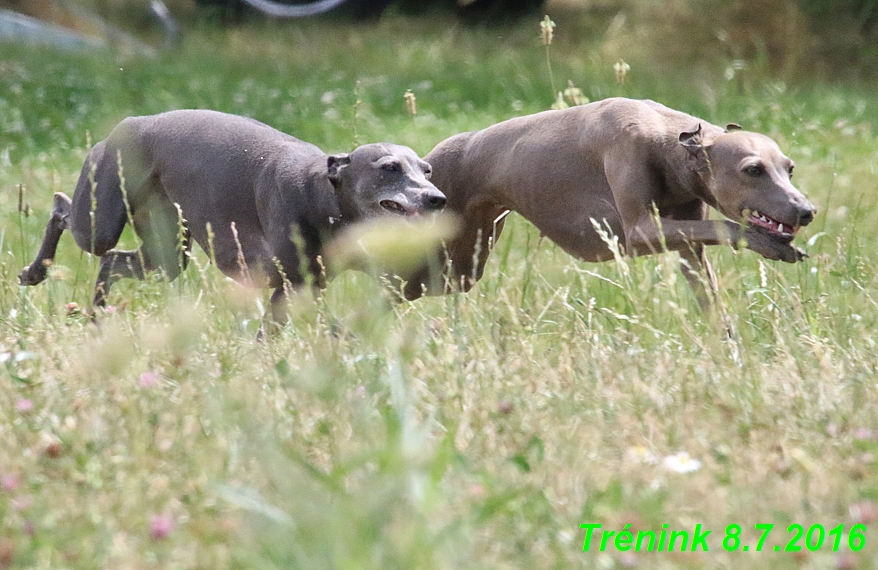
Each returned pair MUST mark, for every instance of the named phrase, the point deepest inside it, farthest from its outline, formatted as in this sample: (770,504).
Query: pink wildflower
(148,379)
(9,482)
(161,526)
(864,512)
(863,433)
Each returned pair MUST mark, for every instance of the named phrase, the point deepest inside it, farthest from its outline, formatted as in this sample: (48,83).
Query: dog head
(748,178)
(382,179)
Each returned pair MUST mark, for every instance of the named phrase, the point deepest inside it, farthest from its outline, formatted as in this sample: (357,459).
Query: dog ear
(693,142)
(335,164)
(733,127)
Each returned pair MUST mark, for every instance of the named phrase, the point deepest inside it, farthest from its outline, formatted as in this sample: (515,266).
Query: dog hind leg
(36,272)
(165,247)
(117,264)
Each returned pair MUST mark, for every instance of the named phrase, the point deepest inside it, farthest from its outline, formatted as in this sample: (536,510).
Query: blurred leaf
(249,499)
(391,245)
(283,369)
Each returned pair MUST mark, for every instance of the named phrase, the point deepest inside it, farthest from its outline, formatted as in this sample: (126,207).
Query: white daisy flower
(681,463)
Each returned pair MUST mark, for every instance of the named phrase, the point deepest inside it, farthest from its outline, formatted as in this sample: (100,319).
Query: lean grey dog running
(615,162)
(243,189)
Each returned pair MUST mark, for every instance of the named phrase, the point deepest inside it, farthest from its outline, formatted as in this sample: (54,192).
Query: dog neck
(684,183)
(703,187)
(330,211)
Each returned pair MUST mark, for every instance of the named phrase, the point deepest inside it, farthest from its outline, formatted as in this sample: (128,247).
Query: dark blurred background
(791,37)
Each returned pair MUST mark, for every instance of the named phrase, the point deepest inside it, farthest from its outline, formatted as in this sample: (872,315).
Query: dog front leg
(693,259)
(277,316)
(278,307)
(274,320)
(771,248)
(702,280)
(647,238)
(700,276)
(650,237)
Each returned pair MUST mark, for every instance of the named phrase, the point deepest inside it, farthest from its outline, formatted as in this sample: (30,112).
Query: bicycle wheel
(297,10)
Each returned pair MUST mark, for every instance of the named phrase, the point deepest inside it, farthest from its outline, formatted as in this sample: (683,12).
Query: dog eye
(754,170)
(791,171)
(391,166)
(427,172)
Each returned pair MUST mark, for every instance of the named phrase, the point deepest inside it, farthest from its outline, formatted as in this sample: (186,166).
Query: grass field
(471,431)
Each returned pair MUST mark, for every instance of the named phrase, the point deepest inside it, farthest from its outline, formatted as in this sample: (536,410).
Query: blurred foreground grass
(471,431)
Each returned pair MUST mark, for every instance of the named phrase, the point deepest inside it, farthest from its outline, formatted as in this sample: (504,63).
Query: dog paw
(772,248)
(799,253)
(32,275)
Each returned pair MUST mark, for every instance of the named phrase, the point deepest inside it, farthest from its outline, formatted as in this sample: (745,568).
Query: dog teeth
(773,225)
(395,207)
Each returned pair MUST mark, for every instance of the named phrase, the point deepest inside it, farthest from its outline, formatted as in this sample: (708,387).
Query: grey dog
(614,163)
(240,188)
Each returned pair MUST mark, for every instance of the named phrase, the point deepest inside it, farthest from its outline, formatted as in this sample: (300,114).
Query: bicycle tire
(294,10)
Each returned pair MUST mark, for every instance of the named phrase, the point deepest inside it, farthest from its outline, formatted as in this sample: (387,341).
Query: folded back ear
(733,127)
(335,164)
(693,142)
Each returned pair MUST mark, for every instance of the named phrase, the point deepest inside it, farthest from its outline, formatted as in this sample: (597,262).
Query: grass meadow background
(470,431)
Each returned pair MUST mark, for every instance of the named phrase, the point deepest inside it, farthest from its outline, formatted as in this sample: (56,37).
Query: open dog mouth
(772,226)
(396,208)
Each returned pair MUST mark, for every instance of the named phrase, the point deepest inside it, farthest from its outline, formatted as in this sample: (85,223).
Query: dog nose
(434,201)
(806,215)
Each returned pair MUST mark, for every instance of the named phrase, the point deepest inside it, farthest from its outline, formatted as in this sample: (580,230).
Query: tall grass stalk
(547,33)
